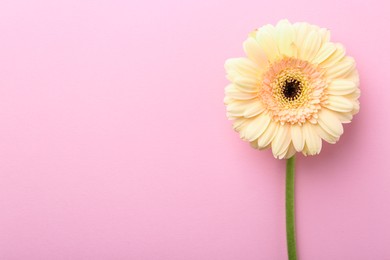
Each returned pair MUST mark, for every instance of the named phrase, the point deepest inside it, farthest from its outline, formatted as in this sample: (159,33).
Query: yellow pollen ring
(289,76)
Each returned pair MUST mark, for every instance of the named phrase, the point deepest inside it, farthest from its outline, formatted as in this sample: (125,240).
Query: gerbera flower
(294,89)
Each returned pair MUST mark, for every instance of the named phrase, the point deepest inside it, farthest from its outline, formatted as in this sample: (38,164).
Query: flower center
(292,91)
(291,88)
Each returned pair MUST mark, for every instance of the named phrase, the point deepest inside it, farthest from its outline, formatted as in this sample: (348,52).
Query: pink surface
(114,142)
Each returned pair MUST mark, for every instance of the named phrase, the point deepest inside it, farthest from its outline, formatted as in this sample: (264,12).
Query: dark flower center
(291,89)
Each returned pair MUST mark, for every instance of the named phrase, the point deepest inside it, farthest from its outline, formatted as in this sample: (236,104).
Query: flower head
(294,89)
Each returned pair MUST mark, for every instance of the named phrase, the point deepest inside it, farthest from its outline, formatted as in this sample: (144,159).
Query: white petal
(297,137)
(240,123)
(290,152)
(335,57)
(236,67)
(325,34)
(255,53)
(353,76)
(354,95)
(285,38)
(254,145)
(356,107)
(254,110)
(310,46)
(227,100)
(341,68)
(281,141)
(233,92)
(256,127)
(283,154)
(247,84)
(301,32)
(326,50)
(238,108)
(266,138)
(330,123)
(265,36)
(344,117)
(339,104)
(325,135)
(341,87)
(313,142)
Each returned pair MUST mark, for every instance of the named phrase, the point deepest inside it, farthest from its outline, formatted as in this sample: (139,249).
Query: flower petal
(285,37)
(341,87)
(265,36)
(247,84)
(297,137)
(313,142)
(237,108)
(241,67)
(256,127)
(341,68)
(325,34)
(325,135)
(339,103)
(353,76)
(266,138)
(233,92)
(353,97)
(301,32)
(344,117)
(330,123)
(281,141)
(254,145)
(290,152)
(254,110)
(326,50)
(335,57)
(255,53)
(310,46)
(240,123)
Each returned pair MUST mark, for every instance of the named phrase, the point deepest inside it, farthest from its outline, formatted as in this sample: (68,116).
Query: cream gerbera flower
(293,89)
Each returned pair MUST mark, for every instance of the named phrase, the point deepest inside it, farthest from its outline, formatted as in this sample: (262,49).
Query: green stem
(290,221)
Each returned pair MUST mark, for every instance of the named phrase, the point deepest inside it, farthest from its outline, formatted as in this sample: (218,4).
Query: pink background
(114,142)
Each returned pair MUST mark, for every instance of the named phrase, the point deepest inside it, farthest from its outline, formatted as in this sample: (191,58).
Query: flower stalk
(290,219)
